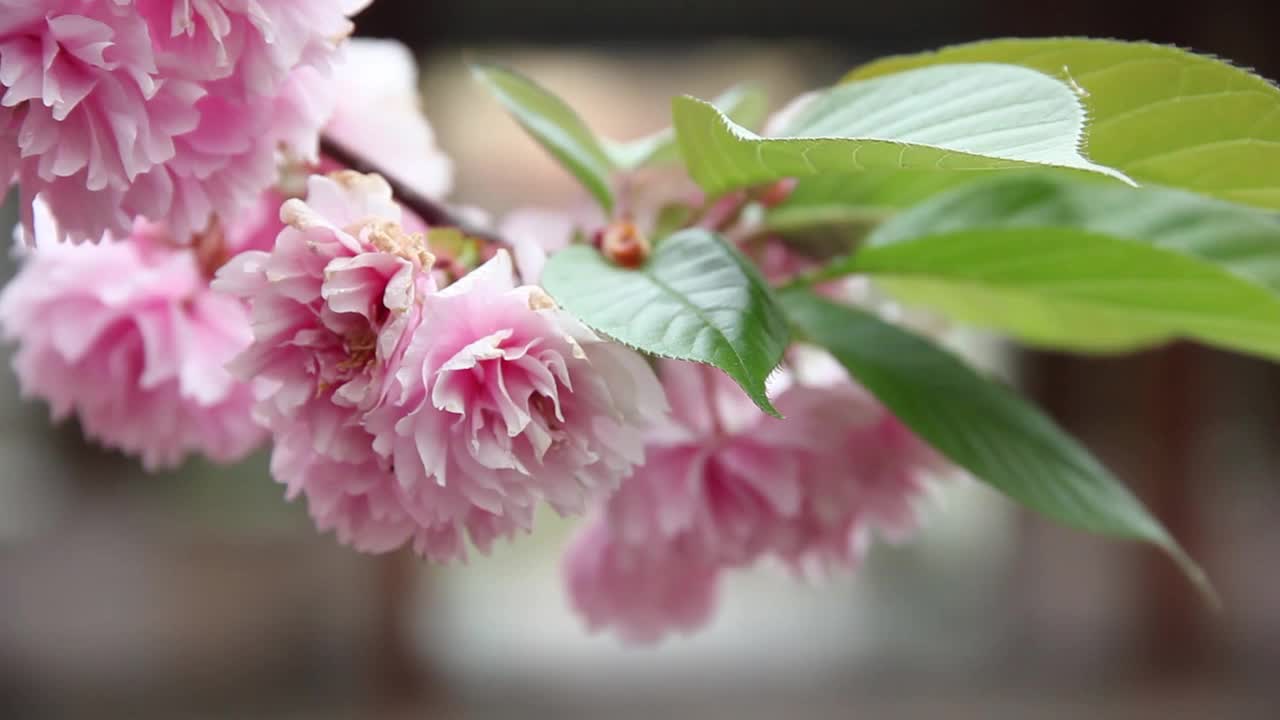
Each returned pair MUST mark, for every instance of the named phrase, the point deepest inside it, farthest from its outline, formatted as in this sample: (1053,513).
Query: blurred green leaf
(980,425)
(1085,266)
(555,126)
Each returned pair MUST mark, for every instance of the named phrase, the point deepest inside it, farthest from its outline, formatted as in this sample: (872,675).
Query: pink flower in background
(641,593)
(537,233)
(224,165)
(504,401)
(107,115)
(258,42)
(128,337)
(725,485)
(379,114)
(724,477)
(85,108)
(366,132)
(364,119)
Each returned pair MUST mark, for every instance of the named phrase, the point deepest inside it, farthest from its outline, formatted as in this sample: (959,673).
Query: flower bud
(623,244)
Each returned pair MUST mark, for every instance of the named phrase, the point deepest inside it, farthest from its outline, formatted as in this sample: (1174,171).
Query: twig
(430,211)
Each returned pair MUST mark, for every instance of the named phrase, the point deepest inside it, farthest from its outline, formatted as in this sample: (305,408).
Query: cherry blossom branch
(432,212)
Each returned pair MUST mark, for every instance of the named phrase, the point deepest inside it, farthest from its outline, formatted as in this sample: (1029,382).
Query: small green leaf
(555,126)
(981,426)
(454,244)
(1159,114)
(1085,266)
(941,119)
(695,299)
(744,104)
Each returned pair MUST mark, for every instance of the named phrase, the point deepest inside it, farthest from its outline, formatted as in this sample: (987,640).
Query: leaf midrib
(697,311)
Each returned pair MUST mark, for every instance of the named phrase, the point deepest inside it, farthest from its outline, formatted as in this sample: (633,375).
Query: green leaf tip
(955,118)
(1160,114)
(555,126)
(981,426)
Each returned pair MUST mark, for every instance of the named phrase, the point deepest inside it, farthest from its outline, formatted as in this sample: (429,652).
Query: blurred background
(201,593)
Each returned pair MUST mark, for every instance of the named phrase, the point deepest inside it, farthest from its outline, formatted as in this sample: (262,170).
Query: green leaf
(1241,239)
(695,299)
(981,426)
(744,104)
(1159,114)
(1085,266)
(835,199)
(555,126)
(941,119)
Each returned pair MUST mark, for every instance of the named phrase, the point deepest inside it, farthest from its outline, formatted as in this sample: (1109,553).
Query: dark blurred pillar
(1174,617)
(397,680)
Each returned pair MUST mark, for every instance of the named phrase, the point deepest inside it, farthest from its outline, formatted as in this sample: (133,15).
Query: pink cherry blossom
(335,301)
(643,594)
(128,337)
(504,401)
(404,412)
(333,304)
(257,42)
(725,485)
(110,109)
(85,107)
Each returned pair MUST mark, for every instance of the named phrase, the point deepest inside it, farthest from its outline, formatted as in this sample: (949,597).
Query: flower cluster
(409,412)
(73,308)
(174,112)
(129,337)
(418,386)
(725,485)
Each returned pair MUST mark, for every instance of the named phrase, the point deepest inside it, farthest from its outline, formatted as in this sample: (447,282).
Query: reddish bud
(623,244)
(774,195)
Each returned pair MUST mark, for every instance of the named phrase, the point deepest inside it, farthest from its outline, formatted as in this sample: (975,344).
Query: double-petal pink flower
(127,336)
(725,486)
(176,112)
(406,412)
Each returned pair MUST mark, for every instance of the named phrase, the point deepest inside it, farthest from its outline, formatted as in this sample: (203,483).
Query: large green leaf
(837,197)
(1159,114)
(828,215)
(981,426)
(744,104)
(834,200)
(963,117)
(695,299)
(1085,266)
(555,126)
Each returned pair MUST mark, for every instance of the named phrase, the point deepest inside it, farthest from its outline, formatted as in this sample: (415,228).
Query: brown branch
(433,213)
